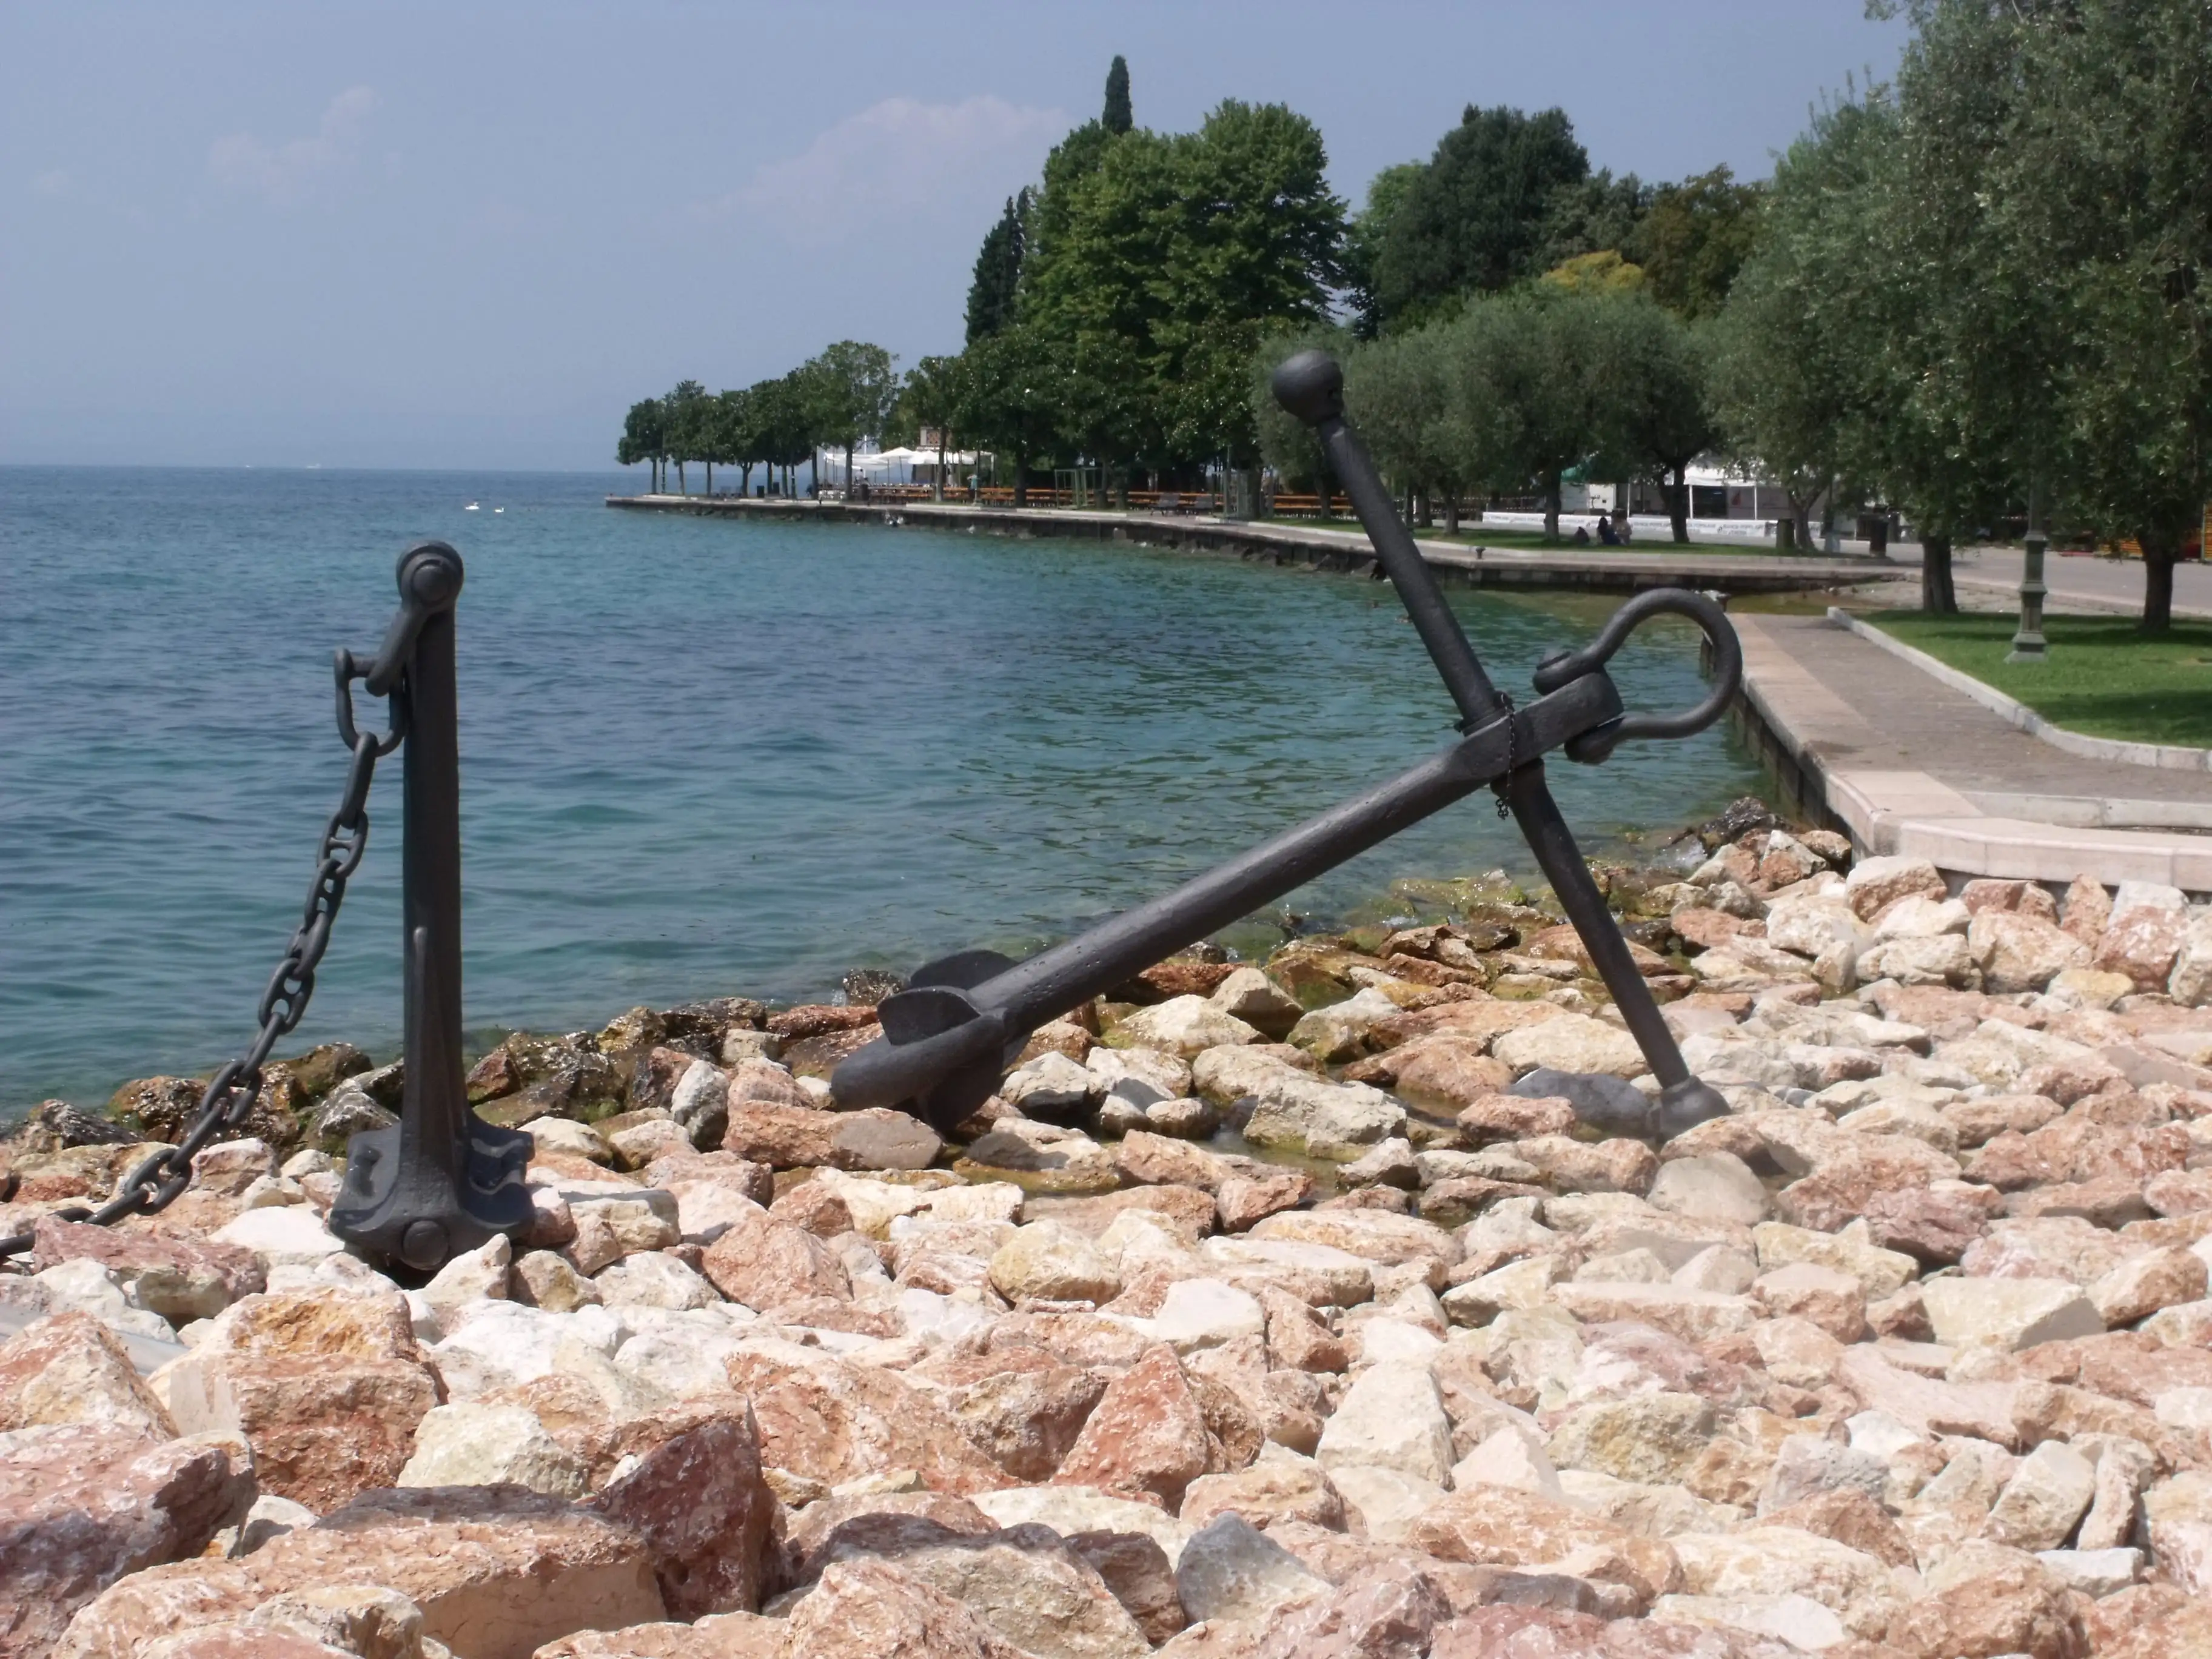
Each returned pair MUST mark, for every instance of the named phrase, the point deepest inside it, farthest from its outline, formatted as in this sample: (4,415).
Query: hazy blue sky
(470,234)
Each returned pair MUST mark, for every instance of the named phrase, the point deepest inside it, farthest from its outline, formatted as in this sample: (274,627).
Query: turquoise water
(700,758)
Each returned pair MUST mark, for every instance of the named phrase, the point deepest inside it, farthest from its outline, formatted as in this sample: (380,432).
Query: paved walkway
(1908,765)
(2076,581)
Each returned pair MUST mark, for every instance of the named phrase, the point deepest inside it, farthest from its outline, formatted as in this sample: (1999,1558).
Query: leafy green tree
(1530,396)
(1012,400)
(1694,239)
(736,442)
(1172,257)
(645,437)
(853,386)
(1600,215)
(2103,267)
(689,432)
(1119,117)
(993,294)
(1286,444)
(1659,411)
(1398,393)
(1363,244)
(1475,219)
(931,401)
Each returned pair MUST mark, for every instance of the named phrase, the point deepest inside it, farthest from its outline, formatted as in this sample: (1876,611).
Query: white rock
(1252,996)
(1186,1025)
(1298,1112)
(290,1236)
(271,1516)
(2189,1409)
(700,1100)
(1919,917)
(1204,1313)
(505,1343)
(84,1286)
(2048,1493)
(1572,1043)
(1511,1457)
(1338,1031)
(653,1278)
(2094,1572)
(1230,1570)
(683,1360)
(1388,1502)
(1145,1076)
(477,1275)
(1796,1621)
(1718,1186)
(467,1445)
(562,1134)
(2008,1314)
(1052,1262)
(2147,895)
(1050,1083)
(1391,1342)
(1717,1267)
(1070,1509)
(1392,1417)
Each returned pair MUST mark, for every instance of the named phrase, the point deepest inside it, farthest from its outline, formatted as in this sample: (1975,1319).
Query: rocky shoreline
(1270,1309)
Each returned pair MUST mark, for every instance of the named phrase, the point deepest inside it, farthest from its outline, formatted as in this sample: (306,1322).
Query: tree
(1286,443)
(930,402)
(1012,399)
(1661,416)
(1529,392)
(2105,201)
(1167,262)
(1363,244)
(852,388)
(1118,117)
(991,296)
(1397,392)
(736,439)
(1694,239)
(645,437)
(1475,219)
(1600,215)
(688,426)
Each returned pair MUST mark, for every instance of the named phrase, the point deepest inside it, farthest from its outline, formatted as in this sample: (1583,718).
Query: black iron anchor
(949,1037)
(441,1180)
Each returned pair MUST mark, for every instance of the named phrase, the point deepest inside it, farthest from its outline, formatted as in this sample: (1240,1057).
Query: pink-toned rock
(1267,1492)
(2086,910)
(1933,1228)
(1022,1408)
(868,1523)
(763,1263)
(1531,1631)
(834,1421)
(1445,1069)
(691,1487)
(1619,1166)
(1243,1202)
(2143,945)
(1138,1572)
(869,1609)
(2018,952)
(813,1019)
(178,1277)
(244,1641)
(1516,1117)
(327,1389)
(722,1636)
(2142,1285)
(812,1207)
(1148,1434)
(1153,1159)
(1875,884)
(764,1083)
(2024,896)
(796,1137)
(1844,1183)
(70,1369)
(497,1572)
(2076,1149)
(1834,1302)
(1298,1339)
(2067,1081)
(1986,1600)
(82,1504)
(2180,1192)
(1505,1527)
(1388,1610)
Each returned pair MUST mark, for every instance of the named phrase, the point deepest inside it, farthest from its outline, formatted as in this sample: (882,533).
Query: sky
(471,234)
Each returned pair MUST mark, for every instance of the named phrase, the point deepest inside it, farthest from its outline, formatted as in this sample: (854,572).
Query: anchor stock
(949,1037)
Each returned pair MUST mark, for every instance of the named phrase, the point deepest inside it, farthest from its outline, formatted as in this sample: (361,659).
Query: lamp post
(2027,643)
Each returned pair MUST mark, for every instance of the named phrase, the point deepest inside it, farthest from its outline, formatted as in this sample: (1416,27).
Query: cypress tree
(1118,117)
(998,271)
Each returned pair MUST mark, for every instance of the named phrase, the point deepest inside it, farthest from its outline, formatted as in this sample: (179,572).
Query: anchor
(950,1036)
(441,1180)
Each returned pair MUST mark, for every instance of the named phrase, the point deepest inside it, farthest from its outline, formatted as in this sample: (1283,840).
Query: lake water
(699,758)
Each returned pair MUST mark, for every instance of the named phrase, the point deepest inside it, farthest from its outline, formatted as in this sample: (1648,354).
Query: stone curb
(2168,757)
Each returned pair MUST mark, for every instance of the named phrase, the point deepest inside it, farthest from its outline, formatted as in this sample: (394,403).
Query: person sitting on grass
(1605,530)
(1582,535)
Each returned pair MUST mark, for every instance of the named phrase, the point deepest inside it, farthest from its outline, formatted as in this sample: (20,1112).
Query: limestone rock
(835,1422)
(1297,1113)
(1833,1301)
(496,1571)
(1719,1184)
(1693,1315)
(1070,1510)
(1497,1526)
(2007,1314)
(83,1503)
(1251,996)
(763,1262)
(1986,1599)
(1651,1437)
(1051,1262)
(1572,1043)
(2142,1285)
(1855,1587)
(69,1368)
(869,1609)
(2019,952)
(1022,1408)
(2047,1495)
(1148,1434)
(474,1445)
(1392,1417)
(1875,884)
(1184,1025)
(178,1277)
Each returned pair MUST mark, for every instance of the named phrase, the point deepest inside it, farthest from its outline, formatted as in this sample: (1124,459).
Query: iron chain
(228,1098)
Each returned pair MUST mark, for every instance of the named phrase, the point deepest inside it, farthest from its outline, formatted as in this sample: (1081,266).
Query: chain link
(228,1099)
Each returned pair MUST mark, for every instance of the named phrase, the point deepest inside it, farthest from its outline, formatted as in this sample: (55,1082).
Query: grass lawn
(2101,676)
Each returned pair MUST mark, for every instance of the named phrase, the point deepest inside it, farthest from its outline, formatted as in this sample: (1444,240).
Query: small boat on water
(499,509)
(471,507)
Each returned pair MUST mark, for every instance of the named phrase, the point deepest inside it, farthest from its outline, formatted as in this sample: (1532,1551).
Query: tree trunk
(681,487)
(1424,508)
(1121,488)
(1022,482)
(710,475)
(1800,513)
(1551,507)
(1938,598)
(2160,553)
(1678,504)
(1451,512)
(848,469)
